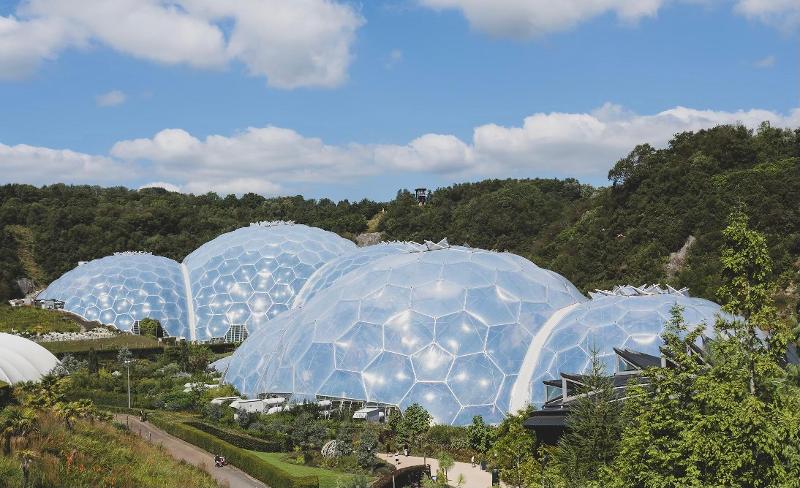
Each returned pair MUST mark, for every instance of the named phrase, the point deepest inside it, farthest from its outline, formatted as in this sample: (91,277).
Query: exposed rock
(677,260)
(369,239)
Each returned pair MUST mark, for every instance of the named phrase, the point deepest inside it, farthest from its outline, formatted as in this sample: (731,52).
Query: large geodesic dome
(626,317)
(331,272)
(121,289)
(250,275)
(447,328)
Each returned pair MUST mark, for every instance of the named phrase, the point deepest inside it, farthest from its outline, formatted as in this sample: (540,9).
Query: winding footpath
(228,476)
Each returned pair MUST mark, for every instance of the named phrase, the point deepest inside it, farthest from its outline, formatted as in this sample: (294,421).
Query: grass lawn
(113,343)
(327,478)
(36,320)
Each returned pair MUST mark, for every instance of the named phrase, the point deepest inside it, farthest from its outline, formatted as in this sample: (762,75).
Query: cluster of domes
(462,331)
(241,278)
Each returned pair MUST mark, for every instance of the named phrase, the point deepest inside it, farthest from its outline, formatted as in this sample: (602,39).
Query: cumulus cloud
(292,43)
(784,14)
(40,165)
(111,99)
(531,18)
(523,19)
(273,160)
(561,144)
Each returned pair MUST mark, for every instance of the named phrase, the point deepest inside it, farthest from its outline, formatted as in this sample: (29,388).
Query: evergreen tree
(593,431)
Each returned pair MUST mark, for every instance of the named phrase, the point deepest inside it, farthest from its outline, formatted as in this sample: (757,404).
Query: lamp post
(128,365)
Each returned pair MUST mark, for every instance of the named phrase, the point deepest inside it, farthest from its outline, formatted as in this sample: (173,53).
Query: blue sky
(350,100)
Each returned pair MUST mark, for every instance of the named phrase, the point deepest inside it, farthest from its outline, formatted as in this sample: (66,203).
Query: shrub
(247,461)
(239,440)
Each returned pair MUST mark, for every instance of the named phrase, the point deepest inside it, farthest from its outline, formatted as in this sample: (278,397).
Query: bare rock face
(368,239)
(677,260)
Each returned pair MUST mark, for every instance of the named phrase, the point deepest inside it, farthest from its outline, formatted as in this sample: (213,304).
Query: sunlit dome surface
(120,289)
(447,328)
(362,256)
(252,274)
(23,360)
(624,319)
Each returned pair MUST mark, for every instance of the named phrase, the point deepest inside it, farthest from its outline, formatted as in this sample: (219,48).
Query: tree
(593,430)
(92,362)
(150,327)
(367,447)
(726,416)
(513,452)
(446,462)
(16,422)
(413,425)
(480,435)
(124,355)
(308,435)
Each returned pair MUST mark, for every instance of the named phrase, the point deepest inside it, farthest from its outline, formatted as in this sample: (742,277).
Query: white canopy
(23,360)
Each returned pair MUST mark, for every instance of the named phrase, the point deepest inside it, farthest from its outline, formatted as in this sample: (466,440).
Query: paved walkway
(228,476)
(473,477)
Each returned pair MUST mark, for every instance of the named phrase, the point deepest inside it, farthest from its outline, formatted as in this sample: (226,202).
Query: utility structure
(422,196)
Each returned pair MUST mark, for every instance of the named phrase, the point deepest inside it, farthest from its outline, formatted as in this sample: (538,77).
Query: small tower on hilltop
(422,196)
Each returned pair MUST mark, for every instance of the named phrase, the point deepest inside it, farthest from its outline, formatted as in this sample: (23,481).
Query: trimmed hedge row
(248,462)
(239,440)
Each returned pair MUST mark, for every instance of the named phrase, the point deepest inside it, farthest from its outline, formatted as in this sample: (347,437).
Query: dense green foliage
(594,426)
(238,439)
(596,237)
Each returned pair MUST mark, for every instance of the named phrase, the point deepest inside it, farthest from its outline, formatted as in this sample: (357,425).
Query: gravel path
(228,476)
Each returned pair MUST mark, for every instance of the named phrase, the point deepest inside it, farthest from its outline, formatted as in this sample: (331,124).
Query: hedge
(239,440)
(247,461)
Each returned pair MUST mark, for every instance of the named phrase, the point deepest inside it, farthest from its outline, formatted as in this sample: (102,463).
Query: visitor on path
(472,460)
(405,451)
(397,458)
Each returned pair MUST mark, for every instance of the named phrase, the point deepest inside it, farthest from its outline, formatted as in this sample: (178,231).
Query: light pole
(128,365)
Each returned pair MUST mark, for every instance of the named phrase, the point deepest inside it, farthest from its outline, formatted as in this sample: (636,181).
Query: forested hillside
(596,237)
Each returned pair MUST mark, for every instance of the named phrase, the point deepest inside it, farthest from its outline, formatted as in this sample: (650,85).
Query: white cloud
(522,19)
(784,14)
(766,62)
(292,43)
(563,144)
(25,44)
(40,165)
(273,160)
(111,99)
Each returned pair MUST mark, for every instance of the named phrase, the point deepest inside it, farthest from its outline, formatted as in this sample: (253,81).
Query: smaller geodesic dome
(627,317)
(362,256)
(23,360)
(446,328)
(120,289)
(248,276)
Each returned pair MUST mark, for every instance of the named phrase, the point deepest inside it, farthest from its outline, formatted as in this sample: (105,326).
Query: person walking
(472,460)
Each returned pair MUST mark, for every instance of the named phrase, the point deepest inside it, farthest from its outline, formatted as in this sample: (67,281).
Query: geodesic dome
(121,289)
(362,256)
(23,360)
(627,317)
(447,328)
(252,274)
